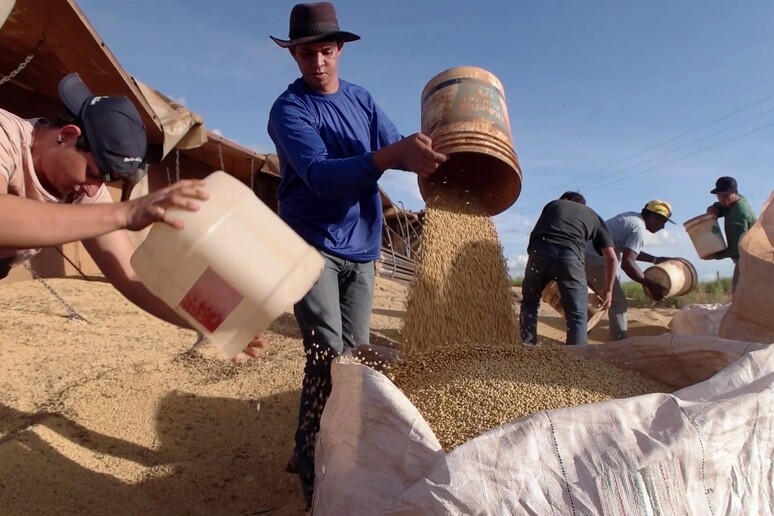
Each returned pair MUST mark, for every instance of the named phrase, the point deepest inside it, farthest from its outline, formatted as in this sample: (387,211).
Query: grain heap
(463,368)
(461,293)
(463,391)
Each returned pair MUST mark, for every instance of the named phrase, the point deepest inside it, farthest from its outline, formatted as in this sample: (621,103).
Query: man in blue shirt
(333,144)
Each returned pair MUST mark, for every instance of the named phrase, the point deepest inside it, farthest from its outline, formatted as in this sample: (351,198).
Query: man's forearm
(28,224)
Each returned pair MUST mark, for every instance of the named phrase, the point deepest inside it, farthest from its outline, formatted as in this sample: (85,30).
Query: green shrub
(706,292)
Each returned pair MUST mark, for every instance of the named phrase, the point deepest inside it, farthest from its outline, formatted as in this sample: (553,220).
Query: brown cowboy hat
(313,22)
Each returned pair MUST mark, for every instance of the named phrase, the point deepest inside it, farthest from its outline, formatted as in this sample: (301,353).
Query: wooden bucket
(464,112)
(678,276)
(552,296)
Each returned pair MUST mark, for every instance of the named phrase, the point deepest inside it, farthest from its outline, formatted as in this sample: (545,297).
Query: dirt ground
(116,416)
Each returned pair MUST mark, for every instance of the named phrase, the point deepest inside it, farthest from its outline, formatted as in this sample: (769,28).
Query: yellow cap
(661,208)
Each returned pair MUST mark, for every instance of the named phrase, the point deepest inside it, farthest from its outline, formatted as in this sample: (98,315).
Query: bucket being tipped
(705,234)
(233,269)
(594,312)
(678,276)
(464,112)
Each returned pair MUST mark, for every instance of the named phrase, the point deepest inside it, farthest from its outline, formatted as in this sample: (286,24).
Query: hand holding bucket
(233,268)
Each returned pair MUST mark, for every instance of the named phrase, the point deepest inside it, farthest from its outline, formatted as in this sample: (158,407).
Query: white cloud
(402,187)
(516,265)
(664,238)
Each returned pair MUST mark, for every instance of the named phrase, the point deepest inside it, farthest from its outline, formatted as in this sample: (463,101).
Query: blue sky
(625,101)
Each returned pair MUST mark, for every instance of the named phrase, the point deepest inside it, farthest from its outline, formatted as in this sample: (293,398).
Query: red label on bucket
(210,300)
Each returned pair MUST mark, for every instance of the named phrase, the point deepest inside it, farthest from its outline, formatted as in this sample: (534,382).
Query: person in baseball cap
(725,185)
(52,189)
(114,131)
(660,208)
(738,217)
(629,231)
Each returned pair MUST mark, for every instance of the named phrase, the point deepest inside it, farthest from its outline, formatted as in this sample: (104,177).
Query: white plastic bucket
(553,297)
(705,234)
(233,269)
(678,276)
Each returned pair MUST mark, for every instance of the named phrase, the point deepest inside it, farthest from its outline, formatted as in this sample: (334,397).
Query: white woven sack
(750,314)
(698,319)
(706,449)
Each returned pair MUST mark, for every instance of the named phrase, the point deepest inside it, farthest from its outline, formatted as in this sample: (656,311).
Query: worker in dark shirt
(556,252)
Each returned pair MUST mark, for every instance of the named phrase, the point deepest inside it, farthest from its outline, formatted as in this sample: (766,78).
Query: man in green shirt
(739,217)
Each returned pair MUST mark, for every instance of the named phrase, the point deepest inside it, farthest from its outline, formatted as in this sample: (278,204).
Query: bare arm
(29,224)
(649,258)
(611,265)
(630,267)
(111,253)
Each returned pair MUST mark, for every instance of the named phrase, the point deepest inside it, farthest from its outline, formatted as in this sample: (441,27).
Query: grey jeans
(595,275)
(333,316)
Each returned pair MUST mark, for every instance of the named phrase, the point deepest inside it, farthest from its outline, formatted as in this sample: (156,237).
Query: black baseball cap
(724,185)
(113,127)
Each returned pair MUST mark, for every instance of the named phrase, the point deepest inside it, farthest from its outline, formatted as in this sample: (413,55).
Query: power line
(702,126)
(665,142)
(672,151)
(757,129)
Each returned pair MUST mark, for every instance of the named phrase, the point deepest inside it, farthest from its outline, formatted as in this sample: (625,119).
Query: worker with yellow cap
(628,230)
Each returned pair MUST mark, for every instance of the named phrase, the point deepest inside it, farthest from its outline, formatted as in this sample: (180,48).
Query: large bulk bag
(705,449)
(698,319)
(750,315)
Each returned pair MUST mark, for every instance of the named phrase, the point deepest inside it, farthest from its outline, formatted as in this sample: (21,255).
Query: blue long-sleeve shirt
(328,189)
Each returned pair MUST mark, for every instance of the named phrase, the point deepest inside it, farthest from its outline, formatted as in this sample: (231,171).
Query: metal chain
(169,177)
(220,157)
(177,165)
(71,313)
(201,340)
(252,175)
(18,69)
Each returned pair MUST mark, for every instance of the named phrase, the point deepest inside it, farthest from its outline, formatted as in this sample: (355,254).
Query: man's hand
(252,350)
(151,208)
(712,210)
(606,297)
(417,154)
(656,291)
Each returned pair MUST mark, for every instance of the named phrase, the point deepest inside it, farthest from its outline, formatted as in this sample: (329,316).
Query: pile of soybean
(463,391)
(463,366)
